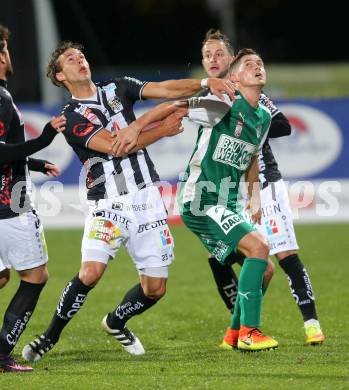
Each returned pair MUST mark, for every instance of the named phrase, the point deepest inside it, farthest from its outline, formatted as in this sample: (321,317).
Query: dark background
(158,39)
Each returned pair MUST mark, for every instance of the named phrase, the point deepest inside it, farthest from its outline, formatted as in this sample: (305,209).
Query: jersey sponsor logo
(139,207)
(87,113)
(18,328)
(220,250)
(128,309)
(112,216)
(271,209)
(271,227)
(82,129)
(104,230)
(151,225)
(234,152)
(226,219)
(165,236)
(2,128)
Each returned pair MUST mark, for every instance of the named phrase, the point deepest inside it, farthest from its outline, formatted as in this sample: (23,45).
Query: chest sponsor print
(234,152)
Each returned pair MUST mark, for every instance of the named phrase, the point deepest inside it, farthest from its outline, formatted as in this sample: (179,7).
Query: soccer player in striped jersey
(125,206)
(277,222)
(22,244)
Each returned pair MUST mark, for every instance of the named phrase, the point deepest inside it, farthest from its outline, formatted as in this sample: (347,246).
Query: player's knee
(90,276)
(261,249)
(269,272)
(37,275)
(155,293)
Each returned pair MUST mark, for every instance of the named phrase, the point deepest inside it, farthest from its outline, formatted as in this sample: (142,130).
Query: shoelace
(254,331)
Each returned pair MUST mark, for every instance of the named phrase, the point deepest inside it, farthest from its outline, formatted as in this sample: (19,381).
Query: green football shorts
(220,229)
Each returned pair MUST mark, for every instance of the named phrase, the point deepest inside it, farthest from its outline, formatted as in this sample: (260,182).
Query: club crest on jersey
(115,104)
(239,125)
(259,131)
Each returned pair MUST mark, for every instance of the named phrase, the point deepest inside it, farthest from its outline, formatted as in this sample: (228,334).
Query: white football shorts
(277,221)
(22,244)
(137,220)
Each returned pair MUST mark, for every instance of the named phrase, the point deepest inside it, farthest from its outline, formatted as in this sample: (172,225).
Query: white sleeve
(209,110)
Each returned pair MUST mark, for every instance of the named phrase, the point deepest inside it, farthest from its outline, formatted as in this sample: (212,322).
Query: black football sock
(70,302)
(300,285)
(226,281)
(18,314)
(135,302)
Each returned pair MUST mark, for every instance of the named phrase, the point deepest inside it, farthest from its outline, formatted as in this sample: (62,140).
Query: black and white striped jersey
(111,108)
(15,184)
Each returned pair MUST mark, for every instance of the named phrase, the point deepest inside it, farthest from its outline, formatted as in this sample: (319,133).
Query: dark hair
(241,53)
(4,36)
(216,35)
(54,66)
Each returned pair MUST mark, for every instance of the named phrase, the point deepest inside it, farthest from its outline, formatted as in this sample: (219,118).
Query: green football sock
(249,302)
(236,313)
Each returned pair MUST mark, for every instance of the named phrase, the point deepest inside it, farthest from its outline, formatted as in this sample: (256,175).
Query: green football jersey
(231,133)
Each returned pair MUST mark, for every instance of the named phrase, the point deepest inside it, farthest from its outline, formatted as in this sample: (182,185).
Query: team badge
(115,104)
(239,126)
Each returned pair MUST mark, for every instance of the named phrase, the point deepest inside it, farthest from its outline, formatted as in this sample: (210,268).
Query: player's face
(75,68)
(251,71)
(7,61)
(216,58)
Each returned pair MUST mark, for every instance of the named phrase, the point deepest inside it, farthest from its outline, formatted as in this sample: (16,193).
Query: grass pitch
(181,334)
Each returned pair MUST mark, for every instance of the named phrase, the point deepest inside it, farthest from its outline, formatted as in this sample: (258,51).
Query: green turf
(182,332)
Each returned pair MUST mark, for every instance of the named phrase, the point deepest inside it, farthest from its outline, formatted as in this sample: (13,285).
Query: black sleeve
(279,127)
(79,130)
(37,165)
(133,88)
(13,152)
(6,112)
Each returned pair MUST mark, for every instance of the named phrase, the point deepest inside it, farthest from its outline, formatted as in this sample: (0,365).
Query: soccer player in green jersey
(276,222)
(230,137)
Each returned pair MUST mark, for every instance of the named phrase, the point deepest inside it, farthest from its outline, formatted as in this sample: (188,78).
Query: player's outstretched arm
(174,89)
(103,141)
(126,139)
(14,152)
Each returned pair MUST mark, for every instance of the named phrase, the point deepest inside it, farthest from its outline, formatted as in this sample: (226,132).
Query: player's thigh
(220,230)
(23,244)
(105,230)
(151,244)
(277,220)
